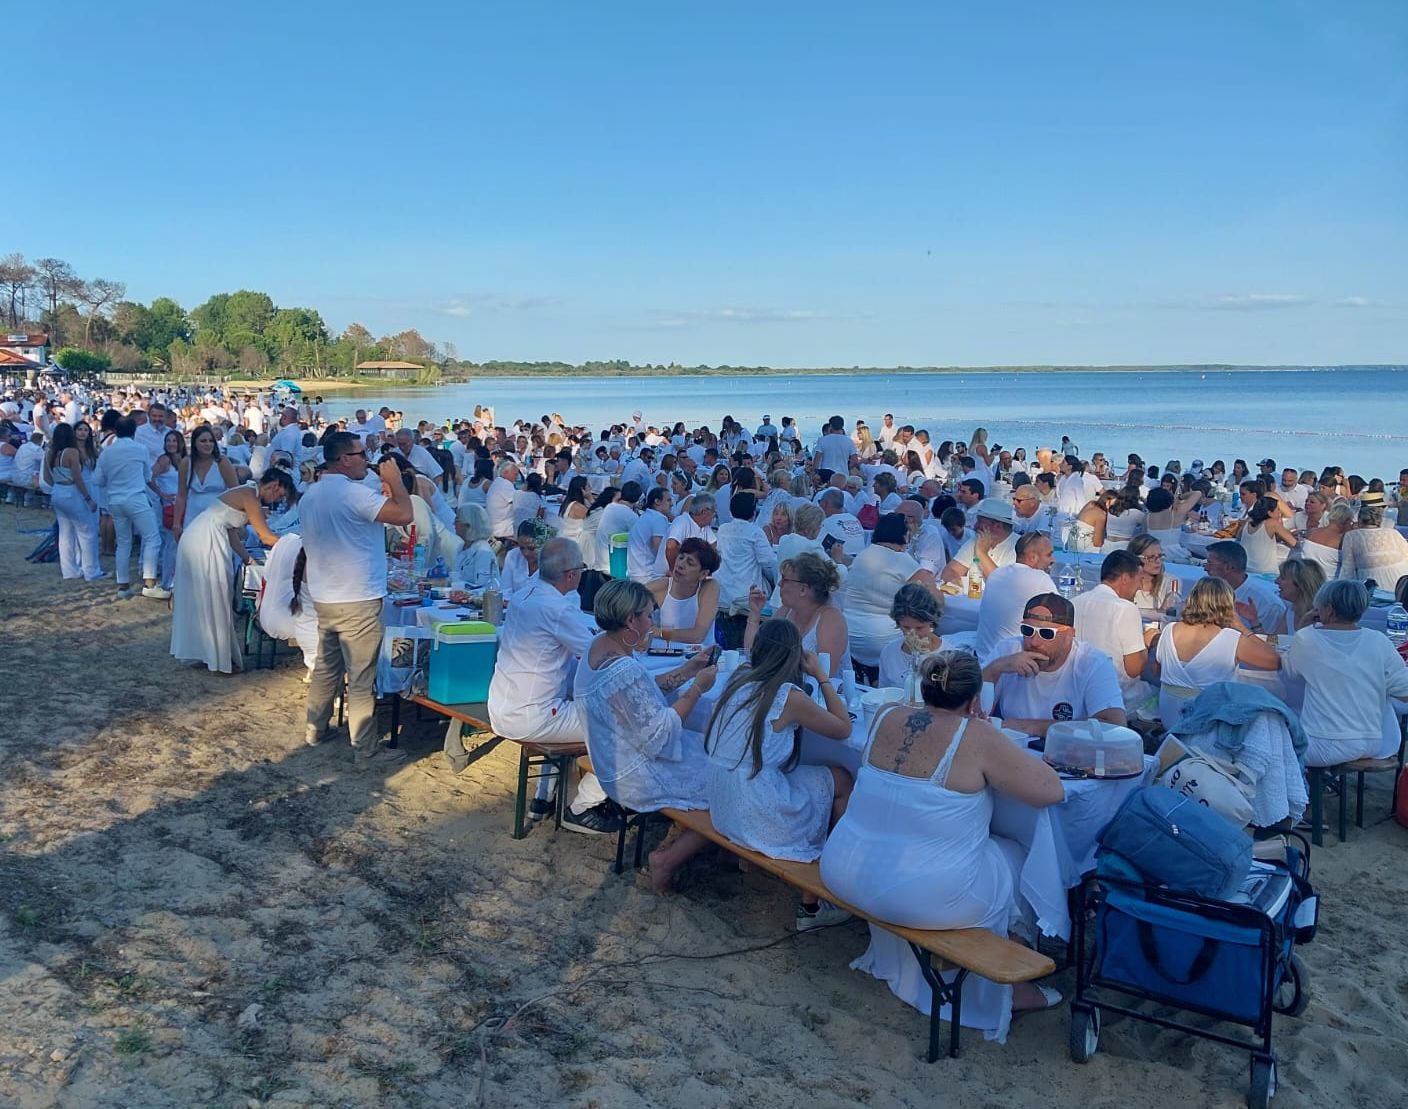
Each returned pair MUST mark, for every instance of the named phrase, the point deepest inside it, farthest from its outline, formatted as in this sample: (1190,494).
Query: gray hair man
(543,635)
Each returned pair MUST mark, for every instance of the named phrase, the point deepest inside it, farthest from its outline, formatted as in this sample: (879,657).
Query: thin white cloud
(1370,302)
(486,303)
(1257,302)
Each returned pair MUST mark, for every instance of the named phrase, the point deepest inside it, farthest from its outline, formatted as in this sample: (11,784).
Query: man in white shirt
(834,449)
(694,524)
(888,431)
(1009,588)
(1076,488)
(498,501)
(841,533)
(289,437)
(1259,602)
(994,543)
(542,637)
(1292,490)
(124,472)
(29,460)
(73,411)
(1107,619)
(746,560)
(344,541)
(639,469)
(1026,510)
(648,536)
(417,455)
(969,495)
(1046,675)
(617,518)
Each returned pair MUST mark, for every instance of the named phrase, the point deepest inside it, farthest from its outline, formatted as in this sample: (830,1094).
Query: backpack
(869,516)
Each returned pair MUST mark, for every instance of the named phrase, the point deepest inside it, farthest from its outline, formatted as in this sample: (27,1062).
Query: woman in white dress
(1166,517)
(573,511)
(688,598)
(1349,673)
(641,752)
(205,476)
(166,476)
(475,488)
(1265,538)
(913,847)
(203,616)
(759,796)
(1125,520)
(285,609)
(1205,646)
(1158,590)
(1087,530)
(874,578)
(477,565)
(1321,543)
(1298,583)
(806,584)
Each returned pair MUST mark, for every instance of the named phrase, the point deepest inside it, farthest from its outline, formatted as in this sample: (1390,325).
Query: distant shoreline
(837,371)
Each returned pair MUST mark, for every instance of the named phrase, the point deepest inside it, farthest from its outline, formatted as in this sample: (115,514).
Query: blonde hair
(817,573)
(1308,577)
(807,519)
(1211,604)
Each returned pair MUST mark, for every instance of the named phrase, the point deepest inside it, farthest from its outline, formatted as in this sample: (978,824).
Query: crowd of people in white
(829,561)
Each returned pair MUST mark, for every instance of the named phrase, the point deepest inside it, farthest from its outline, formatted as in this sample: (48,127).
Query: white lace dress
(641,751)
(781,813)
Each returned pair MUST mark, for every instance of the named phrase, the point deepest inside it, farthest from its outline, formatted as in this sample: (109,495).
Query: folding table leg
(1317,806)
(520,800)
(1344,805)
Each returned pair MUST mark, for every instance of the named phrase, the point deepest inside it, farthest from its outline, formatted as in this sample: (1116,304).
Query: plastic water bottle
(1068,581)
(1398,625)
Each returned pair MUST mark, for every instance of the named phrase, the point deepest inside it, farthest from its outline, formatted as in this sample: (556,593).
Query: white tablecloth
(1061,841)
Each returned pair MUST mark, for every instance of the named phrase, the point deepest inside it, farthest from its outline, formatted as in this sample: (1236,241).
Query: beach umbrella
(285,383)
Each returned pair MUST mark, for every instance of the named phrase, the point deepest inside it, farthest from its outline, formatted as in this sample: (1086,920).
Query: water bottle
(1068,581)
(1398,625)
(418,557)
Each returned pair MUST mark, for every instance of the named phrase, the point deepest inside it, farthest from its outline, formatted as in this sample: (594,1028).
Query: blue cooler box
(462,662)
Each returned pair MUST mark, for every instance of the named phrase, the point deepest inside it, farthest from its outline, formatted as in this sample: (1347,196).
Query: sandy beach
(199,910)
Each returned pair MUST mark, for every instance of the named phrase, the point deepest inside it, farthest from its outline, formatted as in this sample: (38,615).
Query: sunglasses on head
(1047,634)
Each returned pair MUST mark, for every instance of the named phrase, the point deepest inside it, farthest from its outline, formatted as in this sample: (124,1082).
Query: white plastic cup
(988,697)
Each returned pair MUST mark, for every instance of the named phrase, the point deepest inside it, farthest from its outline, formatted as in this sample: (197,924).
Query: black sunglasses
(1047,634)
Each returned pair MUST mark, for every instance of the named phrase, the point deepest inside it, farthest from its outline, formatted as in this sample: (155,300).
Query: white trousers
(127,517)
(78,534)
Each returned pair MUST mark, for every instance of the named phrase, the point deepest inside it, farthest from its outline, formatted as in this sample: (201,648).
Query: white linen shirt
(1108,622)
(124,469)
(543,634)
(746,559)
(498,503)
(346,545)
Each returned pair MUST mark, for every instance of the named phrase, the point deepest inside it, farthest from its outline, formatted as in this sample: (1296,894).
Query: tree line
(94,328)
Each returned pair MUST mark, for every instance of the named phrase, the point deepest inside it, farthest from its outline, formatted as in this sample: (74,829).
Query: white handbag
(1223,786)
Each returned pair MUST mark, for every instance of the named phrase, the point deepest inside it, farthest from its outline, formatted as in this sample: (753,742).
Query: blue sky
(784,183)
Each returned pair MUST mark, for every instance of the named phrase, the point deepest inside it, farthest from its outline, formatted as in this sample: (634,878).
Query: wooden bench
(535,760)
(965,950)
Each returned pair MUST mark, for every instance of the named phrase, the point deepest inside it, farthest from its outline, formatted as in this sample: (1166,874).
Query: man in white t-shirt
(1106,618)
(694,524)
(1045,674)
(887,431)
(1009,588)
(648,535)
(1076,488)
(1026,510)
(994,543)
(345,543)
(841,533)
(834,449)
(498,501)
(1259,602)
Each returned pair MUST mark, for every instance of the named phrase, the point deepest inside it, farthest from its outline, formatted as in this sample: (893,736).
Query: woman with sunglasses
(1158,590)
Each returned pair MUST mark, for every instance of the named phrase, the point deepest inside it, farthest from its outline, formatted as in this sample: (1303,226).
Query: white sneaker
(825,915)
(156,593)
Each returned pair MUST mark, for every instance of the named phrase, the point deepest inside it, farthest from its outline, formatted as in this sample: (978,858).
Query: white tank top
(679,612)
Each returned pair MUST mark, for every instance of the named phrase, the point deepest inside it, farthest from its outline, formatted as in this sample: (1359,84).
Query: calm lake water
(1356,418)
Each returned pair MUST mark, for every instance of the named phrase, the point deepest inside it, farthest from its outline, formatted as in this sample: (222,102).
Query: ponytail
(300,567)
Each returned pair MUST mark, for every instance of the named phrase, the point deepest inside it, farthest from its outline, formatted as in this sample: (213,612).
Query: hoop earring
(631,646)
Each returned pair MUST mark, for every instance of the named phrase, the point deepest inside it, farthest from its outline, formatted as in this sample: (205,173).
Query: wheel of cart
(1231,960)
